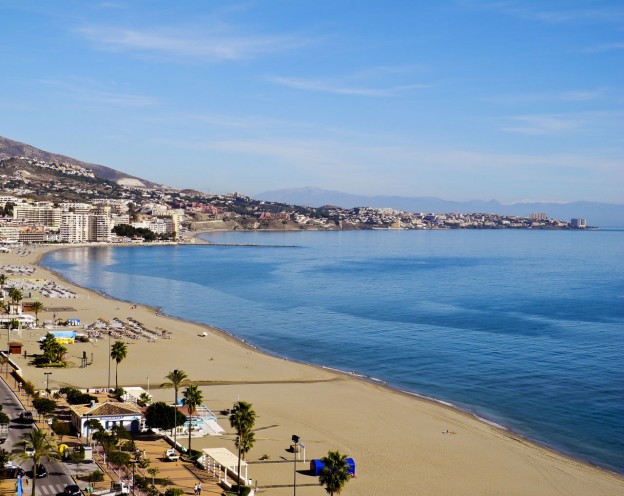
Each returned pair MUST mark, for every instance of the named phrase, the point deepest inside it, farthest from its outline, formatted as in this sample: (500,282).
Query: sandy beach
(401,444)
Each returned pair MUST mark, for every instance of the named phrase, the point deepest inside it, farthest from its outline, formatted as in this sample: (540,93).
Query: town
(42,202)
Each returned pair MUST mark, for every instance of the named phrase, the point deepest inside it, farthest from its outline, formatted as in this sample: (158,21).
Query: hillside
(10,148)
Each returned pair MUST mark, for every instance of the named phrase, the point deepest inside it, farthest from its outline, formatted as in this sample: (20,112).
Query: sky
(456,99)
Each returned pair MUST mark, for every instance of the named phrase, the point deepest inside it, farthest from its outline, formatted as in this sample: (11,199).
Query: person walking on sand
(199,489)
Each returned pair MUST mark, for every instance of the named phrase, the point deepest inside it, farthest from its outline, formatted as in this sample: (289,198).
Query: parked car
(12,470)
(26,416)
(30,452)
(41,471)
(72,490)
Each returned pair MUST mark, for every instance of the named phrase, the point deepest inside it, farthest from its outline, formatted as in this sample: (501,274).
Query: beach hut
(317,465)
(15,348)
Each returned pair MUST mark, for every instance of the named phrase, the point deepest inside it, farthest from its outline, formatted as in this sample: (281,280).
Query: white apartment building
(77,208)
(48,216)
(74,228)
(83,228)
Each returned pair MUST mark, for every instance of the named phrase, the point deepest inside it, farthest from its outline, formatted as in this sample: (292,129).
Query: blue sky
(465,99)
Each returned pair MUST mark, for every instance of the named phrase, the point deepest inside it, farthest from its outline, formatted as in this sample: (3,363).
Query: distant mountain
(597,214)
(10,148)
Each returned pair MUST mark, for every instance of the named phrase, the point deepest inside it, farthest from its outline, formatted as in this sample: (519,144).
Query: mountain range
(596,213)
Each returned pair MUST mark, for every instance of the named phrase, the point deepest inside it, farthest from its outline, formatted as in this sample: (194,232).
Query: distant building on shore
(578,223)
(538,216)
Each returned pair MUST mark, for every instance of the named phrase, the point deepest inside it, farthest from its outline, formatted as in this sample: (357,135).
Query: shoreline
(336,376)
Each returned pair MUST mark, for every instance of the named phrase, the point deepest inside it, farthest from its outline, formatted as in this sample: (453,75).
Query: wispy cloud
(219,45)
(604,47)
(93,93)
(324,86)
(562,96)
(540,12)
(541,124)
(563,123)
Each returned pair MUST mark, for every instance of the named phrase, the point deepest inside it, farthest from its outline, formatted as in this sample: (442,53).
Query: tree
(60,428)
(37,306)
(44,406)
(119,351)
(153,471)
(119,458)
(53,351)
(144,399)
(93,425)
(159,415)
(335,474)
(193,398)
(175,379)
(15,295)
(41,446)
(242,419)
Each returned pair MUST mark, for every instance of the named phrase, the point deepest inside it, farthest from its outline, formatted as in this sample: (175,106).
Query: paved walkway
(182,475)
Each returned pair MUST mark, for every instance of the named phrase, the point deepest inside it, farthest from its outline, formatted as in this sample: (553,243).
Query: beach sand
(399,442)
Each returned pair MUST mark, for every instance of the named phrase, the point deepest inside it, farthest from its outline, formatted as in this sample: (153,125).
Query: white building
(109,414)
(48,216)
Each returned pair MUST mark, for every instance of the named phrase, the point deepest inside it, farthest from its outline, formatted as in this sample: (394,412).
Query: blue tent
(317,465)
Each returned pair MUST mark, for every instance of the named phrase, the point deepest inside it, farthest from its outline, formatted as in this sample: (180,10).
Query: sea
(522,328)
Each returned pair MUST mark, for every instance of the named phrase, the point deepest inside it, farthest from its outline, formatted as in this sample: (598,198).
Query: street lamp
(109,361)
(295,440)
(47,374)
(175,419)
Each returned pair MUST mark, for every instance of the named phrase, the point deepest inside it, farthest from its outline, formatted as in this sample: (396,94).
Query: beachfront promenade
(182,475)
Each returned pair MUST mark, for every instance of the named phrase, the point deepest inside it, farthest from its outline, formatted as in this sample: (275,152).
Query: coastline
(488,447)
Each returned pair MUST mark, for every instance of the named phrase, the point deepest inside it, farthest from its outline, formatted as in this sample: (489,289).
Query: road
(58,473)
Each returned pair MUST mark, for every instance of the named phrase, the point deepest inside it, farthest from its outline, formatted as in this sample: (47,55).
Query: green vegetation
(76,397)
(118,353)
(193,398)
(44,406)
(175,380)
(42,448)
(242,420)
(53,352)
(60,428)
(335,474)
(159,415)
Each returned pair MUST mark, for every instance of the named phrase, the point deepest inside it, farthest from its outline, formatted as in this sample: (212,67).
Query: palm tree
(335,474)
(193,398)
(41,447)
(37,306)
(176,379)
(15,295)
(242,420)
(119,351)
(93,424)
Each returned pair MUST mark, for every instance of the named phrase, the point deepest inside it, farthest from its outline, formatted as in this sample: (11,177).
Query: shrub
(174,491)
(95,476)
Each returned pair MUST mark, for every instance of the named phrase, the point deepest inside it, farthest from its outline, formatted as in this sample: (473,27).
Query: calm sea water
(524,328)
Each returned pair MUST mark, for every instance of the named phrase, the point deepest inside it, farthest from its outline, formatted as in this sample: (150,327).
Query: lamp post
(295,439)
(175,418)
(109,361)
(47,374)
